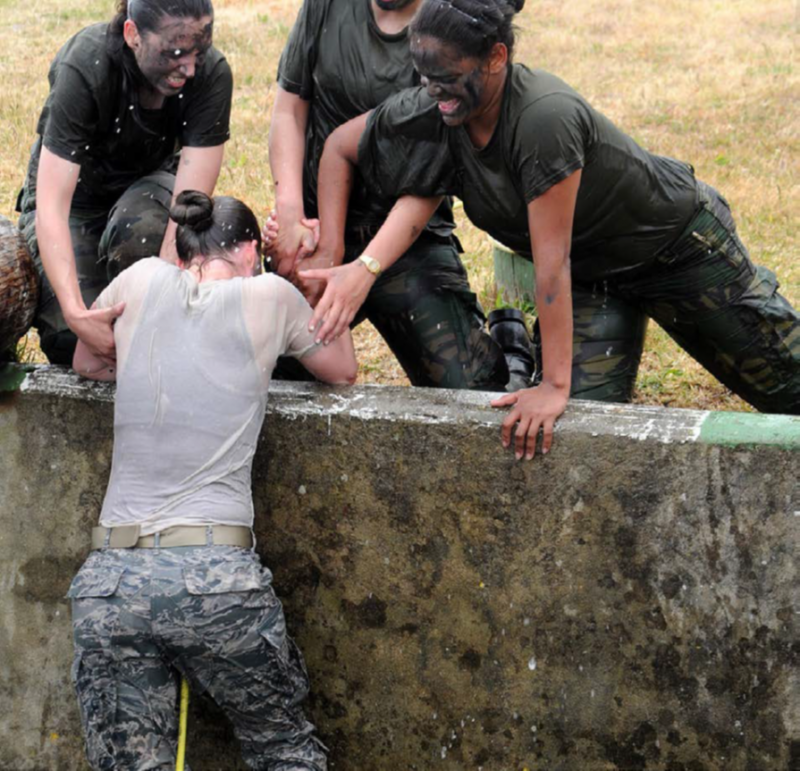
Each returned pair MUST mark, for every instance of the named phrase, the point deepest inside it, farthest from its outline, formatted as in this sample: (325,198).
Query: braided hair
(211,226)
(472,27)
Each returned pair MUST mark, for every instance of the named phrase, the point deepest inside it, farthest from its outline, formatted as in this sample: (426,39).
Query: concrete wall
(627,602)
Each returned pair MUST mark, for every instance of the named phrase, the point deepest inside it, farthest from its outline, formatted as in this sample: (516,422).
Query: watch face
(373,266)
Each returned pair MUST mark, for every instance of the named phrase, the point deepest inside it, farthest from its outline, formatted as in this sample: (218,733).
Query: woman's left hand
(533,408)
(347,286)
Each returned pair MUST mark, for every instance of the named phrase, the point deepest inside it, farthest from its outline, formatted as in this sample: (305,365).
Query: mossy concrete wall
(627,602)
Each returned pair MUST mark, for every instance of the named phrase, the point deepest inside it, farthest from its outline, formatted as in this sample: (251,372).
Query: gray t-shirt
(194,364)
(630,204)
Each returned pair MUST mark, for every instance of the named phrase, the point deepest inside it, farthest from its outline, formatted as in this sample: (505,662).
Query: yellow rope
(184,719)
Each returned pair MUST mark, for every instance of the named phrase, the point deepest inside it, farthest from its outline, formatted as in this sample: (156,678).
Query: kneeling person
(124,97)
(173,586)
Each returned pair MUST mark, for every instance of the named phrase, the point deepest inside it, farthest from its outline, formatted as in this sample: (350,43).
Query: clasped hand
(336,292)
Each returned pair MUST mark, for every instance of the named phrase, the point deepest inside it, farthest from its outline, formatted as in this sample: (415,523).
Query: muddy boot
(507,329)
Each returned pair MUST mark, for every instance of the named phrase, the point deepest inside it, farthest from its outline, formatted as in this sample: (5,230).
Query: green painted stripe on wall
(731,428)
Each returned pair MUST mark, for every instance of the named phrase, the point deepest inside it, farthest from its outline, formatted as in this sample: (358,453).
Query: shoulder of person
(87,52)
(411,112)
(215,64)
(551,93)
(271,285)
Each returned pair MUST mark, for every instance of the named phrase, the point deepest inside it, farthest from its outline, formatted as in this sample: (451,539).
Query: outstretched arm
(550,220)
(198,169)
(56,182)
(287,150)
(348,286)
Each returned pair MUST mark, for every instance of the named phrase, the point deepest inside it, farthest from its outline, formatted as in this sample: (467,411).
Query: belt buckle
(123,536)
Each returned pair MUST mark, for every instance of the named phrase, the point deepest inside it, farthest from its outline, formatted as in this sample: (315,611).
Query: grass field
(711,83)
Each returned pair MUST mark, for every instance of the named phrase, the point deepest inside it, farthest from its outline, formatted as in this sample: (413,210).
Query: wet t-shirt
(630,203)
(194,364)
(87,118)
(339,60)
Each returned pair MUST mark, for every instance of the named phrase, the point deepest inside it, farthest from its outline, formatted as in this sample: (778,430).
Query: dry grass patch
(715,85)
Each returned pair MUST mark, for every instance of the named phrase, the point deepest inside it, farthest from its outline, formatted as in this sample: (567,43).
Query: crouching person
(173,586)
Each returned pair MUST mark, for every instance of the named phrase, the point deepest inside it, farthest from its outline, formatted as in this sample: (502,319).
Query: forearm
(287,150)
(86,364)
(198,169)
(336,175)
(58,259)
(554,305)
(402,227)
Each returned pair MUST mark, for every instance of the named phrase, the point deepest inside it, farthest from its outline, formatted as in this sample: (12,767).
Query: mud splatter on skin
(170,56)
(449,77)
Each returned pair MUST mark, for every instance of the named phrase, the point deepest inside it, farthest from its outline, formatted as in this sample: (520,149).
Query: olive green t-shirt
(630,203)
(339,60)
(89,120)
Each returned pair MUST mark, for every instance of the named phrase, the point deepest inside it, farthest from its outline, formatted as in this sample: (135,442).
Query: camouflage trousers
(424,309)
(706,293)
(144,617)
(105,242)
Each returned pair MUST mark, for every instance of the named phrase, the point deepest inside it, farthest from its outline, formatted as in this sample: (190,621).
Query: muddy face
(456,82)
(171,55)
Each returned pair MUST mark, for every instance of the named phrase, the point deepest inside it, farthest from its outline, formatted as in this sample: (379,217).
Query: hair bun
(194,210)
(517,5)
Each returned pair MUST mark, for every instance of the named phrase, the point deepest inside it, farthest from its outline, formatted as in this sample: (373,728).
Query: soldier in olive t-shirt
(648,239)
(105,123)
(340,61)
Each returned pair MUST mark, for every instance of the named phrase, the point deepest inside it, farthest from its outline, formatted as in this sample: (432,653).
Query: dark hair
(209,226)
(147,15)
(472,27)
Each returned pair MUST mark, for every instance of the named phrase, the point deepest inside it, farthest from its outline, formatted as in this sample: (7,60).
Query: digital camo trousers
(142,618)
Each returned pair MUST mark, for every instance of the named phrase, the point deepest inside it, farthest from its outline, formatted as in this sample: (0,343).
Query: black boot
(507,329)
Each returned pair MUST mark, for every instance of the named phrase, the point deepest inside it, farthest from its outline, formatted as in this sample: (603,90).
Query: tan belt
(127,537)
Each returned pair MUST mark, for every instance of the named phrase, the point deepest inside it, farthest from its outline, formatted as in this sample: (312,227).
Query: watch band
(372,265)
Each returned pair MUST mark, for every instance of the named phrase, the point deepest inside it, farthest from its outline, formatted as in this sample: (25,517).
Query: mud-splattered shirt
(630,203)
(90,120)
(194,365)
(339,60)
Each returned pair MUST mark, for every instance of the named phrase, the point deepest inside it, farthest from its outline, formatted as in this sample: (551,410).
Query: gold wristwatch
(373,266)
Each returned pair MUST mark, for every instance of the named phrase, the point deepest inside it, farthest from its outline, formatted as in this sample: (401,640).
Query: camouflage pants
(424,309)
(144,617)
(705,292)
(105,242)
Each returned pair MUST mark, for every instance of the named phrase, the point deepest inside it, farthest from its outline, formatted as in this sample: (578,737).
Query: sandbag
(19,285)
